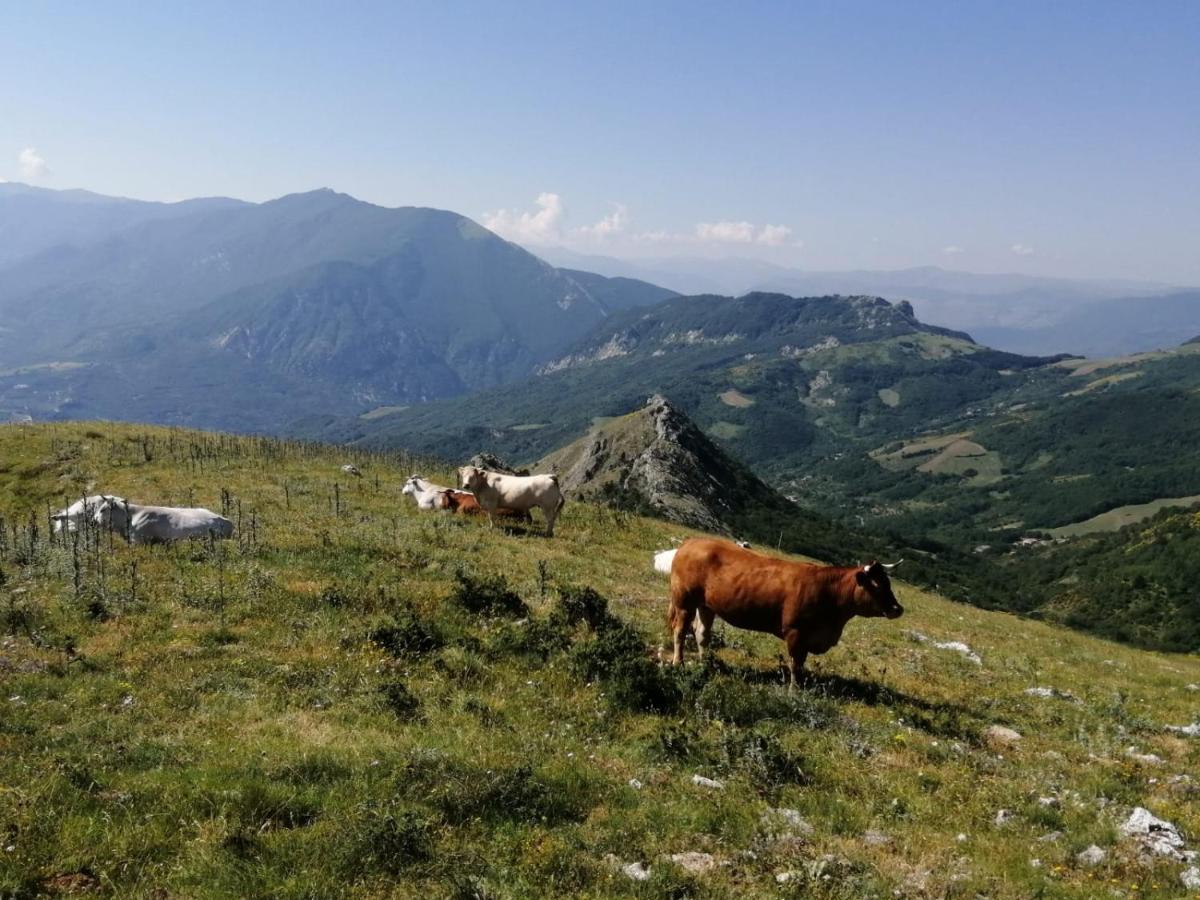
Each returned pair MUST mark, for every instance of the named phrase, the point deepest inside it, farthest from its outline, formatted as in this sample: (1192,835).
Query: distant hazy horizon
(1054,140)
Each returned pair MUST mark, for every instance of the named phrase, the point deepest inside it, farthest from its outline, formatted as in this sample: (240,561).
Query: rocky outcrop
(658,458)
(494,463)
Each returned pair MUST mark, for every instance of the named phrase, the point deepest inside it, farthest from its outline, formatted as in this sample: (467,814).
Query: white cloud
(610,226)
(545,224)
(952,250)
(774,235)
(1022,249)
(32,164)
(541,227)
(726,232)
(657,237)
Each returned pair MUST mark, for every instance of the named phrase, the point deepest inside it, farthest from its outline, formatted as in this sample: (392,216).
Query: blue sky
(1051,138)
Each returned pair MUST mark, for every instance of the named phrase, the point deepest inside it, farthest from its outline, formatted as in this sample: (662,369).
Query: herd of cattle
(804,604)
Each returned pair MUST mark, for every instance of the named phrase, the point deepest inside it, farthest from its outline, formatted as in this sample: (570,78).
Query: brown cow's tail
(674,614)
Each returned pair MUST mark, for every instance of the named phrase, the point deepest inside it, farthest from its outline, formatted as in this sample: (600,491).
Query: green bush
(400,700)
(760,757)
(406,634)
(389,840)
(582,605)
(487,595)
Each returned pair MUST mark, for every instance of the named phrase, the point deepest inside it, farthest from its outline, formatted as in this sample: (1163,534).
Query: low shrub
(487,595)
(582,606)
(732,701)
(400,700)
(389,839)
(406,634)
(513,795)
(762,759)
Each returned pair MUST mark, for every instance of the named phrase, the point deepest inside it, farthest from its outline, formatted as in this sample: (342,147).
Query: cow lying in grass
(517,492)
(804,604)
(160,524)
(80,511)
(465,503)
(426,494)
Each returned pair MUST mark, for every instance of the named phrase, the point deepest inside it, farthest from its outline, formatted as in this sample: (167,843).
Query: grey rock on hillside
(658,458)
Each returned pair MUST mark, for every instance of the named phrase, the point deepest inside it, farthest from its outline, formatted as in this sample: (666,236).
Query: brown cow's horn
(893,565)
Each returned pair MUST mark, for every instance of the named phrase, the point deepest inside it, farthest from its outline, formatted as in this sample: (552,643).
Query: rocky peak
(658,458)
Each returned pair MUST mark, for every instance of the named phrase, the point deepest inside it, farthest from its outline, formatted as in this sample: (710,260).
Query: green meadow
(352,698)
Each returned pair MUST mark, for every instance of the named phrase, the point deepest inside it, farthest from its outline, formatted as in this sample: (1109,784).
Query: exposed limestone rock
(998,736)
(494,463)
(1155,836)
(694,862)
(634,871)
(1092,856)
(659,457)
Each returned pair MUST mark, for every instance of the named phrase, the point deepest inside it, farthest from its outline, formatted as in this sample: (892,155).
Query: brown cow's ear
(862,577)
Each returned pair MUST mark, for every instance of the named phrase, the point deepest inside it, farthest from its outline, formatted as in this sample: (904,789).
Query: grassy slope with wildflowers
(356,699)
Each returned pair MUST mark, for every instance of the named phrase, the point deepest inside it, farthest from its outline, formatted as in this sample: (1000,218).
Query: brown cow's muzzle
(894,612)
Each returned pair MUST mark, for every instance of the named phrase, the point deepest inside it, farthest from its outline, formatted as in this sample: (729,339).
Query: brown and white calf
(464,503)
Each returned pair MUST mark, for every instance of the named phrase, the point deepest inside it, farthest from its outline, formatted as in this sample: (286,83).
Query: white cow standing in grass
(161,524)
(427,494)
(517,492)
(80,511)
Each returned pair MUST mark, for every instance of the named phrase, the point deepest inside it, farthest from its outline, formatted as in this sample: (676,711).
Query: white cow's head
(112,512)
(412,486)
(472,478)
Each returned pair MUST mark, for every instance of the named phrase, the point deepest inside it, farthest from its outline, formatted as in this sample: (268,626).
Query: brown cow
(804,604)
(465,502)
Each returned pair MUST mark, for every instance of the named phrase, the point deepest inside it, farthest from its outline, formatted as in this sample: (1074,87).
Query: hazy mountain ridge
(34,220)
(318,298)
(1016,312)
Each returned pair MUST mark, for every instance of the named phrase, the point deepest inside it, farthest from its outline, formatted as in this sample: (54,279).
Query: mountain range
(247,315)
(1014,312)
(321,316)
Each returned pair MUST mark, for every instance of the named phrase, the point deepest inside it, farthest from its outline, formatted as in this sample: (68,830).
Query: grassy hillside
(346,700)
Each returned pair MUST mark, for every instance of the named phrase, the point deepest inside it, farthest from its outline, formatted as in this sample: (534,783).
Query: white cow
(427,494)
(80,511)
(663,560)
(351,469)
(161,524)
(518,492)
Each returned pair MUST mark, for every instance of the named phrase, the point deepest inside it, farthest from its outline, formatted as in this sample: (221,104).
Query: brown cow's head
(873,596)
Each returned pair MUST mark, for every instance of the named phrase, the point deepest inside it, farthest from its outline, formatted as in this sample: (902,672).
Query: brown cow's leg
(704,629)
(799,654)
(681,620)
